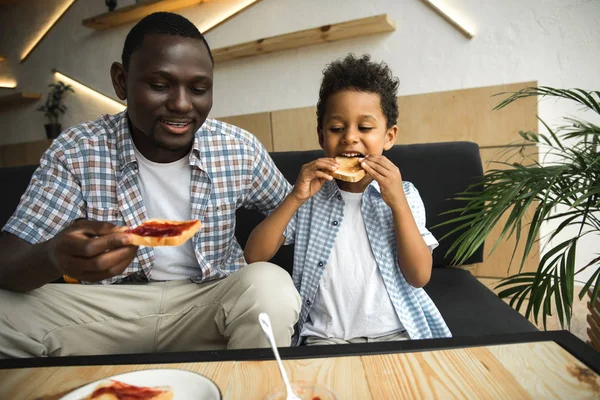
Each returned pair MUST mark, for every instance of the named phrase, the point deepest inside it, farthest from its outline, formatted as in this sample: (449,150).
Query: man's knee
(272,286)
(15,341)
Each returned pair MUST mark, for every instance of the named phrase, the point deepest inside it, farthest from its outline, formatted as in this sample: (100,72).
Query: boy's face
(354,123)
(168,88)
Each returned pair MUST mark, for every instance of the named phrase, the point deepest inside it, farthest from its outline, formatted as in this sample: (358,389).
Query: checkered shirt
(313,229)
(91,172)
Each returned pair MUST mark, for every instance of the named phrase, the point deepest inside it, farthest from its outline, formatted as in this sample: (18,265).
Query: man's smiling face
(169,94)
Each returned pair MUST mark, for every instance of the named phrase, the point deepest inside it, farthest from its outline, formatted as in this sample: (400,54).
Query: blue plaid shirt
(313,229)
(90,171)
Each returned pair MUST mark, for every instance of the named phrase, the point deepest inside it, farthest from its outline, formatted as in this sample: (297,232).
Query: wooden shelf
(136,12)
(327,33)
(19,98)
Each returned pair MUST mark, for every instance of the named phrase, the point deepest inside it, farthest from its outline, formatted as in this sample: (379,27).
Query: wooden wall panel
(465,115)
(29,153)
(258,124)
(295,129)
(496,265)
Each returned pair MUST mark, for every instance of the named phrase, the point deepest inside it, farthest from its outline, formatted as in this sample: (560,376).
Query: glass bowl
(304,390)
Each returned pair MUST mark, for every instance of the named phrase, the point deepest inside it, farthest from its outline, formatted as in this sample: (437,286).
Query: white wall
(556,42)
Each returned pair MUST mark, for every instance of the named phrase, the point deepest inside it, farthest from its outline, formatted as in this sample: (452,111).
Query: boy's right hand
(312,176)
(91,250)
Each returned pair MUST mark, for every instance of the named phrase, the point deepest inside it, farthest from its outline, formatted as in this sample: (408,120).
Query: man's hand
(91,251)
(388,177)
(311,178)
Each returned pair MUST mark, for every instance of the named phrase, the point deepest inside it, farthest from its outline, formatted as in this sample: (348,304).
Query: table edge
(580,350)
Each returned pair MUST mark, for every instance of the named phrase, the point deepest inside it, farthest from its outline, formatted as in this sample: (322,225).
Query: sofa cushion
(13,181)
(470,308)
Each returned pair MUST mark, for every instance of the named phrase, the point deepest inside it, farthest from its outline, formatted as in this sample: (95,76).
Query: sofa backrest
(13,181)
(438,170)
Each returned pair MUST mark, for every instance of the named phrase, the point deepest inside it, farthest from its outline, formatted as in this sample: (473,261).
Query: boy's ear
(390,137)
(118,76)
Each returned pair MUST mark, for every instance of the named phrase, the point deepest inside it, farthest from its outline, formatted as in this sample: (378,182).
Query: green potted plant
(566,190)
(53,108)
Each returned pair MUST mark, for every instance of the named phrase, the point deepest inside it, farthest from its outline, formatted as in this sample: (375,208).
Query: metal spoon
(265,324)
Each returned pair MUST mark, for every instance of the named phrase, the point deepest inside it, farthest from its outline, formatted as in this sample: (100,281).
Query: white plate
(186,385)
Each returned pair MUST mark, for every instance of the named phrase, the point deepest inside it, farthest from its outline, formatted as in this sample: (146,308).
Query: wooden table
(533,365)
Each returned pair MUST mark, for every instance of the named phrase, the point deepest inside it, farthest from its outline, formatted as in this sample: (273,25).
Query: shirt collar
(200,150)
(207,130)
(331,188)
(125,147)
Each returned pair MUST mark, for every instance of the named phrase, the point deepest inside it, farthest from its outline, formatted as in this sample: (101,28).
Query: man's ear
(321,139)
(118,75)
(390,137)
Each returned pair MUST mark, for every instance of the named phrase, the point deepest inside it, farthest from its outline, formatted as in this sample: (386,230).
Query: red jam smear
(123,391)
(161,229)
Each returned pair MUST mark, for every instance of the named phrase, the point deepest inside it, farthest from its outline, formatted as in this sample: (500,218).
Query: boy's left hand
(387,175)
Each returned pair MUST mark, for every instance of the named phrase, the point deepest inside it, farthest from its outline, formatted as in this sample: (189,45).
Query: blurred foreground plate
(186,385)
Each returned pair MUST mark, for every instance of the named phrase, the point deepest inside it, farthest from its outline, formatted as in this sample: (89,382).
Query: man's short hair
(160,23)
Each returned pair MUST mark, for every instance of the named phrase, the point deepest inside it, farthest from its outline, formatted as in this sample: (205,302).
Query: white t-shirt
(165,190)
(352,300)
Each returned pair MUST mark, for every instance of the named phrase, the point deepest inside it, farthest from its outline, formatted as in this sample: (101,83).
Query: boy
(362,252)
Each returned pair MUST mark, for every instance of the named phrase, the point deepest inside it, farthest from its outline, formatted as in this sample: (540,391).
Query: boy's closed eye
(336,129)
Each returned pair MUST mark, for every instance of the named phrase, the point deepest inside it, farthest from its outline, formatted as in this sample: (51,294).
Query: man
(161,158)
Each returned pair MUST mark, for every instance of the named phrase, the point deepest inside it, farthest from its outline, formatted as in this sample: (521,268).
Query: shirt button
(335,223)
(308,302)
(339,196)
(320,263)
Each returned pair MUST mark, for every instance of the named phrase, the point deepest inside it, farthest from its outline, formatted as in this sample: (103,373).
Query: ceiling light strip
(80,87)
(8,83)
(225,16)
(46,28)
(451,17)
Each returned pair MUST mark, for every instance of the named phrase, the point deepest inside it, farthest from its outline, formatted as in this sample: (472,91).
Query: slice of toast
(115,390)
(163,232)
(349,169)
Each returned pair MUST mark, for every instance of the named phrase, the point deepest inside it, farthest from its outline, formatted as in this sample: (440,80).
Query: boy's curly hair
(362,75)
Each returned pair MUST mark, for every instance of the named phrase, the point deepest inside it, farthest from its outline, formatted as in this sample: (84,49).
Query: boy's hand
(311,178)
(388,176)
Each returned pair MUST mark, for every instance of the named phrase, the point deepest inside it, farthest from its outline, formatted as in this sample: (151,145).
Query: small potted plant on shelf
(111,4)
(53,108)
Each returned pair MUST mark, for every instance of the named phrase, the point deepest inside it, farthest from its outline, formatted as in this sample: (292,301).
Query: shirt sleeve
(418,211)
(268,186)
(51,202)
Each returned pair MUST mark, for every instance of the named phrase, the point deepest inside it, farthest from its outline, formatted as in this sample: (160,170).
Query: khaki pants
(67,319)
(319,341)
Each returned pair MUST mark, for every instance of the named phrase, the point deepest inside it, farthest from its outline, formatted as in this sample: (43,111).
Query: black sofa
(438,170)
